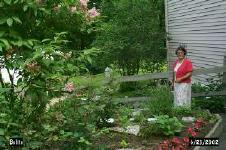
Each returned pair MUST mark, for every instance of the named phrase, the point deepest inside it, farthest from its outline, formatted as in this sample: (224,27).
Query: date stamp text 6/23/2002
(204,141)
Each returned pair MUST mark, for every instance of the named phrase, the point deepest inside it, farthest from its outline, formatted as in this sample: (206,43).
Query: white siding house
(201,26)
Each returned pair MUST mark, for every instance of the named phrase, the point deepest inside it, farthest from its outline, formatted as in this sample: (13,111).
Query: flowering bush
(69,87)
(191,132)
(182,143)
(174,144)
(33,42)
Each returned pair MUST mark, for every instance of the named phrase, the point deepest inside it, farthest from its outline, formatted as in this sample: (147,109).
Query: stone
(136,113)
(131,119)
(152,120)
(83,98)
(108,72)
(134,129)
(111,120)
(188,119)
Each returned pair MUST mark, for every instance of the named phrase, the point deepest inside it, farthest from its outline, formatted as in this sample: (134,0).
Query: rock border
(214,132)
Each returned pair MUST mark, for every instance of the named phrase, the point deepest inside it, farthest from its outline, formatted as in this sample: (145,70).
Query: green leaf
(1,4)
(45,10)
(27,45)
(2,131)
(6,43)
(7,2)
(2,33)
(20,43)
(16,1)
(35,12)
(46,40)
(76,135)
(3,121)
(3,114)
(89,60)
(35,144)
(9,22)
(3,90)
(70,67)
(14,124)
(25,8)
(17,20)
(30,42)
(3,20)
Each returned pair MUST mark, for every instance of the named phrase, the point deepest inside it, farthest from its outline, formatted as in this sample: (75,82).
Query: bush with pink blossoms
(93,13)
(69,87)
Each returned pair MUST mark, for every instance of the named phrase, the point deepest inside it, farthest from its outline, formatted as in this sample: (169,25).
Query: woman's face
(180,54)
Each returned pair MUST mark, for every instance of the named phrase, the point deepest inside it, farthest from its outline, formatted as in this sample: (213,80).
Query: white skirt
(182,94)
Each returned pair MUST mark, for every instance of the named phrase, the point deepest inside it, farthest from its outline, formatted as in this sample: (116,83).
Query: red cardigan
(185,67)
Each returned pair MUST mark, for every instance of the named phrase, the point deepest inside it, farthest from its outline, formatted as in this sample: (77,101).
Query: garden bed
(115,140)
(215,131)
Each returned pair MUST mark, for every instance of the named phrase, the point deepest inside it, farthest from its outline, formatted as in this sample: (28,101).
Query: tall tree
(132,33)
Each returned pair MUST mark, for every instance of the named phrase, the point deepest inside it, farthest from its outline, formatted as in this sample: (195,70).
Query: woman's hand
(178,80)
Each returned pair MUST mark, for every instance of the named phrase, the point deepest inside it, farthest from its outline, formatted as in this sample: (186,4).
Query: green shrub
(169,126)
(160,103)
(180,112)
(150,130)
(204,114)
(164,125)
(139,118)
(213,104)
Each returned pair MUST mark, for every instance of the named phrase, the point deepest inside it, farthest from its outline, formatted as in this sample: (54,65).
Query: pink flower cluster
(80,6)
(73,9)
(93,13)
(33,67)
(69,87)
(90,13)
(83,3)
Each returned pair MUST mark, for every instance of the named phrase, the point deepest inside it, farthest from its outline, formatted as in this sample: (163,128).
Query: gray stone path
(222,138)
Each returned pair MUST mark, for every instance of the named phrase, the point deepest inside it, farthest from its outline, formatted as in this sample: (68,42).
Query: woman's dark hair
(182,48)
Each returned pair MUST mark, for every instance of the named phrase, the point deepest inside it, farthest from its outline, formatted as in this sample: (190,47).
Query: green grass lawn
(89,80)
(97,81)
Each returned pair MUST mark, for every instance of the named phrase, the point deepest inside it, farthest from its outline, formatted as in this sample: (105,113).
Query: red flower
(186,140)
(176,141)
(165,142)
(194,134)
(180,147)
(159,147)
(189,130)
(200,120)
(163,147)
(197,125)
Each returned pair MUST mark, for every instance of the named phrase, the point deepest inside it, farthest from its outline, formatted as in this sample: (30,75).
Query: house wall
(201,26)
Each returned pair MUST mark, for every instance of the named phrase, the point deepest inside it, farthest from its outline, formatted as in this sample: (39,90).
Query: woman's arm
(178,80)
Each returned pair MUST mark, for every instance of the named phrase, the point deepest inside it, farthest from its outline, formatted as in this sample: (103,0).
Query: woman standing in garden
(182,69)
